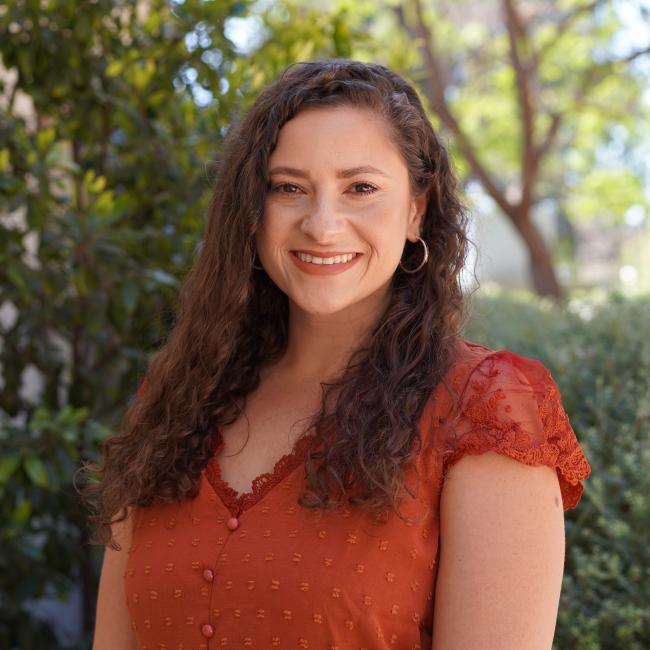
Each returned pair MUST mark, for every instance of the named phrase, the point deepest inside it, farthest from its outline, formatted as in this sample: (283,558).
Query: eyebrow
(340,173)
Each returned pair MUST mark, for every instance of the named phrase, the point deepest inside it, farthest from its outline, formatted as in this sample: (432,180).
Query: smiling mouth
(339,258)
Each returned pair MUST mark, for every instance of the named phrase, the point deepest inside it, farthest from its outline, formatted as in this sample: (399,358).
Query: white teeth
(337,259)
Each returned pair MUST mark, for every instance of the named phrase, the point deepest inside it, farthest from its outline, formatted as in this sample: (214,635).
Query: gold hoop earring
(425,258)
(257,268)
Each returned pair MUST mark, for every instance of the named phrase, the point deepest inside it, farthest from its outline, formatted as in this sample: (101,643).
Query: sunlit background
(112,114)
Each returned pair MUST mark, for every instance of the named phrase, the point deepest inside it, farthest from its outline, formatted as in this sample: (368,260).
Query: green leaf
(45,138)
(4,159)
(21,513)
(130,292)
(105,205)
(36,471)
(16,277)
(8,465)
(89,178)
(114,68)
(97,185)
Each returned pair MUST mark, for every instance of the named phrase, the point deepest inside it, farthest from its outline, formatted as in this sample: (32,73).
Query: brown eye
(277,187)
(369,191)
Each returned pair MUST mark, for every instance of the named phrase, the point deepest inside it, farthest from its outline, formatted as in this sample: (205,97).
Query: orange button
(232,523)
(207,630)
(208,575)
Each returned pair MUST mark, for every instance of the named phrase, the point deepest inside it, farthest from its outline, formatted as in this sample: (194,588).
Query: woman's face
(338,211)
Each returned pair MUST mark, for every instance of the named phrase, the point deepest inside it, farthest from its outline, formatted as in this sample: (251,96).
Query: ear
(416,215)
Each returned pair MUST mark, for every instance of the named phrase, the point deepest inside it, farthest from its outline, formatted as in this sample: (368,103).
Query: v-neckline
(237,502)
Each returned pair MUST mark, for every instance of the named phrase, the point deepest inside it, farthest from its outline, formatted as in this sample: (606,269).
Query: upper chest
(274,419)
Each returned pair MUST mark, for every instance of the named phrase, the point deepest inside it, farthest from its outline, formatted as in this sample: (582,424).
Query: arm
(501,556)
(113,623)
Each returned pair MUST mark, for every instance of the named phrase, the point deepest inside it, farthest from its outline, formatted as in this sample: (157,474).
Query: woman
(279,480)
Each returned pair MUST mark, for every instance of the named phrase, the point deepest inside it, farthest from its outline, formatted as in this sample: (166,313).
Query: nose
(323,223)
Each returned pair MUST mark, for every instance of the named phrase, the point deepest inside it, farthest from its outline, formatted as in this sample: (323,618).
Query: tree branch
(599,71)
(634,55)
(435,92)
(565,23)
(589,78)
(545,143)
(524,70)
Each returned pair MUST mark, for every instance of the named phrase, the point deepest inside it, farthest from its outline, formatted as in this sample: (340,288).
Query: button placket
(207,630)
(235,515)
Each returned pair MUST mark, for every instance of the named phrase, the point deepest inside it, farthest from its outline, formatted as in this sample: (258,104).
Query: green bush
(107,186)
(598,351)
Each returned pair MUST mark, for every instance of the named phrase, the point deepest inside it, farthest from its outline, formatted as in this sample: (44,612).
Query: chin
(322,306)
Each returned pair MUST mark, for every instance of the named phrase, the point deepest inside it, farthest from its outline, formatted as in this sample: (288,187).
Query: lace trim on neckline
(238,502)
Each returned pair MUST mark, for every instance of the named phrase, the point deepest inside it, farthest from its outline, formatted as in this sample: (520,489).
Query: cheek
(389,252)
(385,236)
(270,232)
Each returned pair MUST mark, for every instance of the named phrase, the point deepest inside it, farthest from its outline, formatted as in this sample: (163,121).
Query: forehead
(340,132)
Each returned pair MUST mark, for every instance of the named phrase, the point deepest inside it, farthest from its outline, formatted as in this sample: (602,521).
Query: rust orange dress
(257,570)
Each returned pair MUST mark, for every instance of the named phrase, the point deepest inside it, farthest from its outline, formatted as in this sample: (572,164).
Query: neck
(320,345)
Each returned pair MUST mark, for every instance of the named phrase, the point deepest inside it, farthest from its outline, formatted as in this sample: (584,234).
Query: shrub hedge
(598,351)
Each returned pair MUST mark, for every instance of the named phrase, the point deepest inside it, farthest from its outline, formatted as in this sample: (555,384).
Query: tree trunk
(541,265)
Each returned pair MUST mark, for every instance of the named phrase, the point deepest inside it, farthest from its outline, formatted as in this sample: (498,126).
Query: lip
(323,269)
(322,253)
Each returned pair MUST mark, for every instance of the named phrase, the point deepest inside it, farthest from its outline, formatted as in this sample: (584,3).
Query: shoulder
(474,361)
(468,353)
(465,356)
(508,418)
(496,378)
(502,389)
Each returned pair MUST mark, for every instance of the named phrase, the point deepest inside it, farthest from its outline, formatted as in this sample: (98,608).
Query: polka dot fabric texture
(256,570)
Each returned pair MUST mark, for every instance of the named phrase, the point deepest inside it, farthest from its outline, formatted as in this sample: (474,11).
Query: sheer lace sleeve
(511,405)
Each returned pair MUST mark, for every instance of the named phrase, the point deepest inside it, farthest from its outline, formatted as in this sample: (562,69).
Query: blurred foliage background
(111,119)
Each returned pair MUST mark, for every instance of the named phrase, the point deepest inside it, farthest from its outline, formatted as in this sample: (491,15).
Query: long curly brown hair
(232,319)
